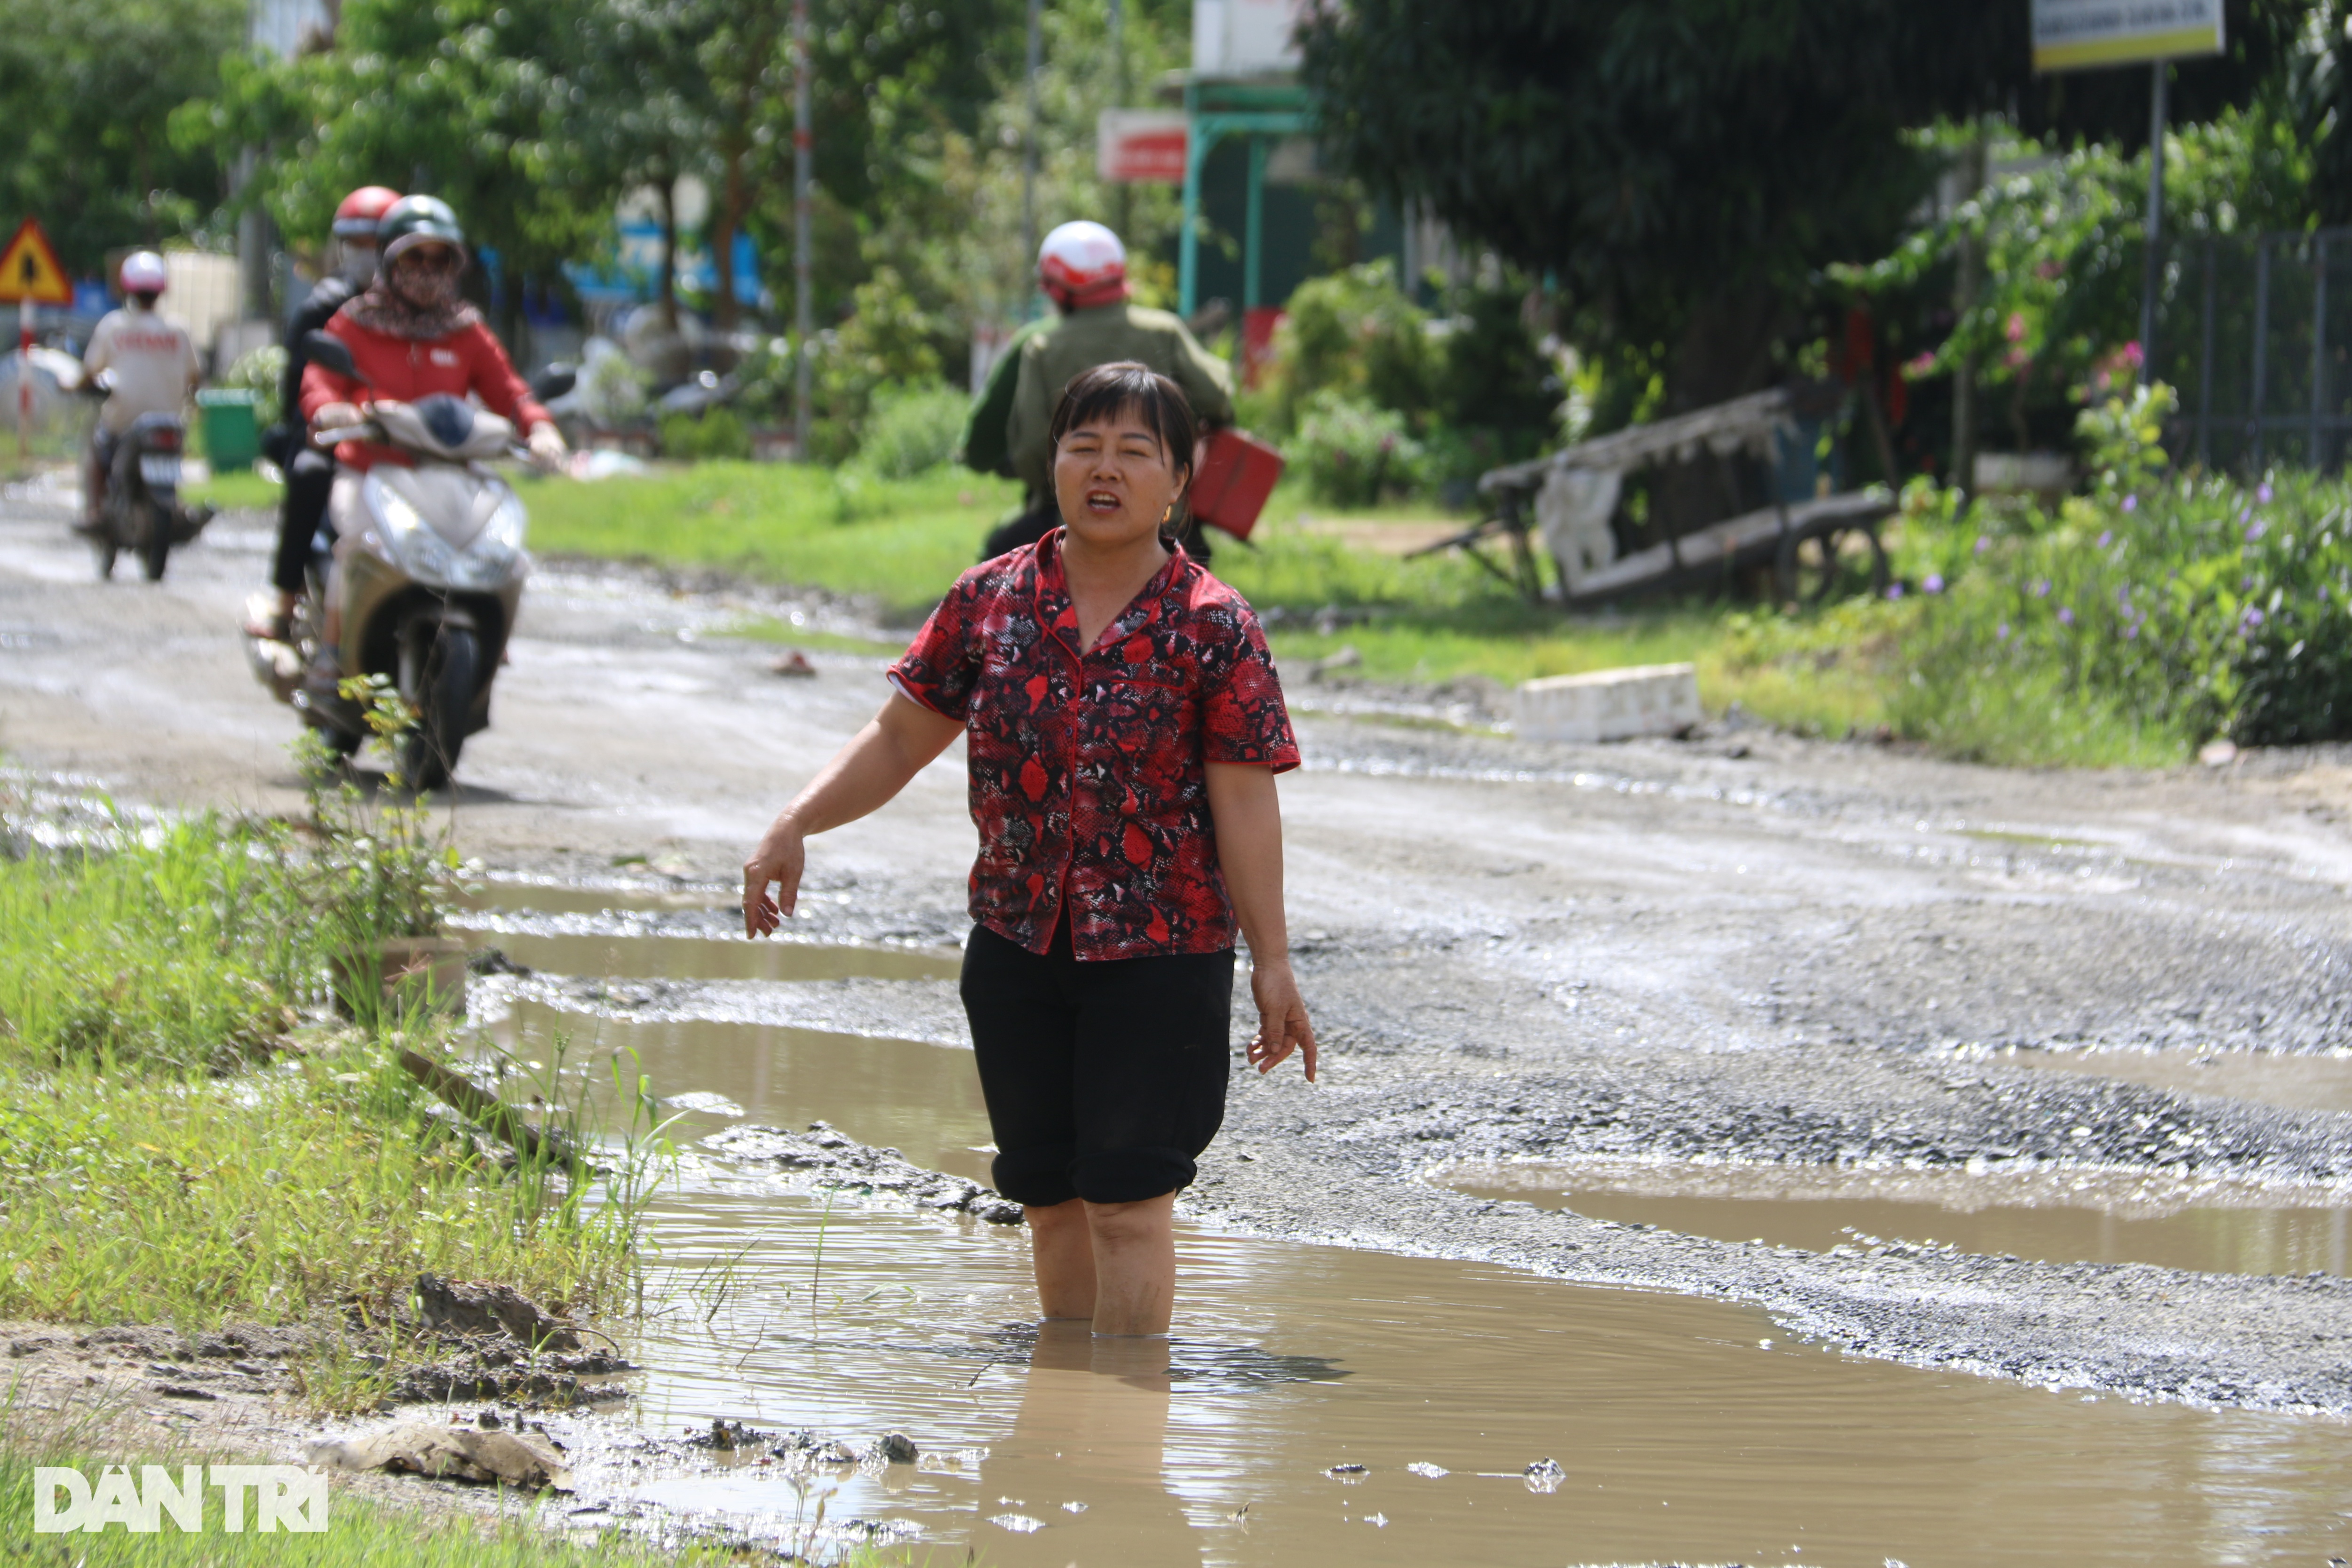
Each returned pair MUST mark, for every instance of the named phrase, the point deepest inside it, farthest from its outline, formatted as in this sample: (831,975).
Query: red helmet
(362,210)
(1082,264)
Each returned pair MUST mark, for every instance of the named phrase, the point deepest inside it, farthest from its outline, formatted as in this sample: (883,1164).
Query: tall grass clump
(175,948)
(190,1133)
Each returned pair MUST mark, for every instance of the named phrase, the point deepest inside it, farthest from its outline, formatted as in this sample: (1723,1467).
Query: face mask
(356,265)
(423,287)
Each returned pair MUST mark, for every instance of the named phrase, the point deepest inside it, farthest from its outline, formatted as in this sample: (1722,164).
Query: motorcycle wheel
(155,541)
(428,752)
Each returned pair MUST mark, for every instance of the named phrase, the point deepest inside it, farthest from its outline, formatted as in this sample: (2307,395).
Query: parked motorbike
(430,583)
(141,511)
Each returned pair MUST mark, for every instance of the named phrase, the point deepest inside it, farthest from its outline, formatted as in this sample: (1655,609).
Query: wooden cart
(1765,426)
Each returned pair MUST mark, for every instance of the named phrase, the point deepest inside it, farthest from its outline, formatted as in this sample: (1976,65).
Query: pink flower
(2016,328)
(1919,365)
(2132,354)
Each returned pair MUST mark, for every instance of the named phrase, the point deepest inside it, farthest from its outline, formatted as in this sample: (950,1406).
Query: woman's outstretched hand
(1282,1025)
(778,861)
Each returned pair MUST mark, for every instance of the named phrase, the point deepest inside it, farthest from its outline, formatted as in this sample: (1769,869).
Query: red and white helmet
(143,272)
(1082,264)
(357,217)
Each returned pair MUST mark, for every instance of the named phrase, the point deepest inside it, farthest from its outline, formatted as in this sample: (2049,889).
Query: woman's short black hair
(1124,386)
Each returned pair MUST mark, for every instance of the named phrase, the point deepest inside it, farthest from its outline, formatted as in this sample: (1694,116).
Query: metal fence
(2254,331)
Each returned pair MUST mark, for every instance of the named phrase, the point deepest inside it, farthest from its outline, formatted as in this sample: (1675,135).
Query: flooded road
(1742,947)
(1683,1429)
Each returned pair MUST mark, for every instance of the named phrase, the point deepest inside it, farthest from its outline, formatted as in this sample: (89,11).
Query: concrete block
(1609,704)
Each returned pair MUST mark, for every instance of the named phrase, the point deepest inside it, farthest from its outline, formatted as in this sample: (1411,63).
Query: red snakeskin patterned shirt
(1089,776)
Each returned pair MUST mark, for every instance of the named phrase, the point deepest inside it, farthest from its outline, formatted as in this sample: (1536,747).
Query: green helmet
(413,221)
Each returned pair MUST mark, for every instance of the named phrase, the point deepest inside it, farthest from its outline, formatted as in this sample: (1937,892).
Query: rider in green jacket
(1082,266)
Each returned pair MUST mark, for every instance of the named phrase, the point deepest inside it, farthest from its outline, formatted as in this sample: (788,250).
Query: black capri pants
(1104,1080)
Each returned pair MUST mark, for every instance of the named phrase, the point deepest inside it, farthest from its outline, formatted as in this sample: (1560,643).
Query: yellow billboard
(2072,34)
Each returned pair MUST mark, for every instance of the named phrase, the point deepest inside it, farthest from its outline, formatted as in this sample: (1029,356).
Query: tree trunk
(1725,351)
(668,187)
(733,201)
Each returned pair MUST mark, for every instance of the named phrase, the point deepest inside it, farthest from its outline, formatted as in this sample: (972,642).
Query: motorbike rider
(310,474)
(1082,267)
(153,367)
(411,333)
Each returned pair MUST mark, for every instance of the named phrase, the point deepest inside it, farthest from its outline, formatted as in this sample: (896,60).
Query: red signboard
(1140,146)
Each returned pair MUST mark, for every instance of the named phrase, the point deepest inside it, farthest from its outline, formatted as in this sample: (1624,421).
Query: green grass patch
(768,628)
(187,1135)
(241,490)
(898,542)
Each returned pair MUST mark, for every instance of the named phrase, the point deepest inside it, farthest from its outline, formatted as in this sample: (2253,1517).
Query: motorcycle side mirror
(554,381)
(325,349)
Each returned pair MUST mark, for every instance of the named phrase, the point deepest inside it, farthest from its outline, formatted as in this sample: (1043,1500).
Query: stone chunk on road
(1608,704)
(440,1452)
(837,1159)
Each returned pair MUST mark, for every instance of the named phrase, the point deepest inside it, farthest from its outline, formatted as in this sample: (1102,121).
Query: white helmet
(1083,264)
(143,272)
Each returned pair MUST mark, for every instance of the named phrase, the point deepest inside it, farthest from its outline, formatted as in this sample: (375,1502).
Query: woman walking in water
(1124,726)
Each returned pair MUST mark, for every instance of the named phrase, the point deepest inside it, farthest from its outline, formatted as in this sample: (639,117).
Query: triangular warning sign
(29,269)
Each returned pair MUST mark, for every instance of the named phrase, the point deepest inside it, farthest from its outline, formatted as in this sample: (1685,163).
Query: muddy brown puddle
(2268,1078)
(1686,1430)
(2054,1217)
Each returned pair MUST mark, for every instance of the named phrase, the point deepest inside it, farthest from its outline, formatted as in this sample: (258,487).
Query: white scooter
(430,581)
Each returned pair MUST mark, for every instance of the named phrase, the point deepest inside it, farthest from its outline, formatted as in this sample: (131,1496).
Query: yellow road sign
(29,269)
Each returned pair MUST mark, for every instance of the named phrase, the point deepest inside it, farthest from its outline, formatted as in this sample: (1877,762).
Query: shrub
(2205,607)
(912,430)
(1351,450)
(716,435)
(1354,333)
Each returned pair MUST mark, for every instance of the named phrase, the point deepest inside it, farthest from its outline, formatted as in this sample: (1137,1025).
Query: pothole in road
(2291,1082)
(1683,1430)
(499,895)
(669,957)
(2051,1215)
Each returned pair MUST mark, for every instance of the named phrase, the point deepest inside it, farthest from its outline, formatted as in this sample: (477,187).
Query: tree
(88,91)
(467,101)
(1684,169)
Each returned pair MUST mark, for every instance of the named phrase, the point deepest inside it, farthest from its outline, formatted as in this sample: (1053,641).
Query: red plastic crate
(1232,473)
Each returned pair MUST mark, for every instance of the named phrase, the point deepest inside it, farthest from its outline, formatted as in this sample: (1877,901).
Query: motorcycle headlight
(420,552)
(490,558)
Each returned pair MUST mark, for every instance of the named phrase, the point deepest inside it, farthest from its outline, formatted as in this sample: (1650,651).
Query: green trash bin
(232,425)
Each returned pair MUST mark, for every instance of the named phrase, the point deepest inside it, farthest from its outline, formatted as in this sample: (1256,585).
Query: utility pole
(1120,206)
(1029,153)
(2152,269)
(804,307)
(1965,290)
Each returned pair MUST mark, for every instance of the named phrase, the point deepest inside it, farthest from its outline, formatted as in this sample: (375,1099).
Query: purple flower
(1934,582)
(2322,593)
(2106,537)
(2131,503)
(1895,590)
(2123,596)
(2256,532)
(2041,589)
(2000,632)
(2065,617)
(2131,631)
(1983,544)
(2253,616)
(2263,493)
